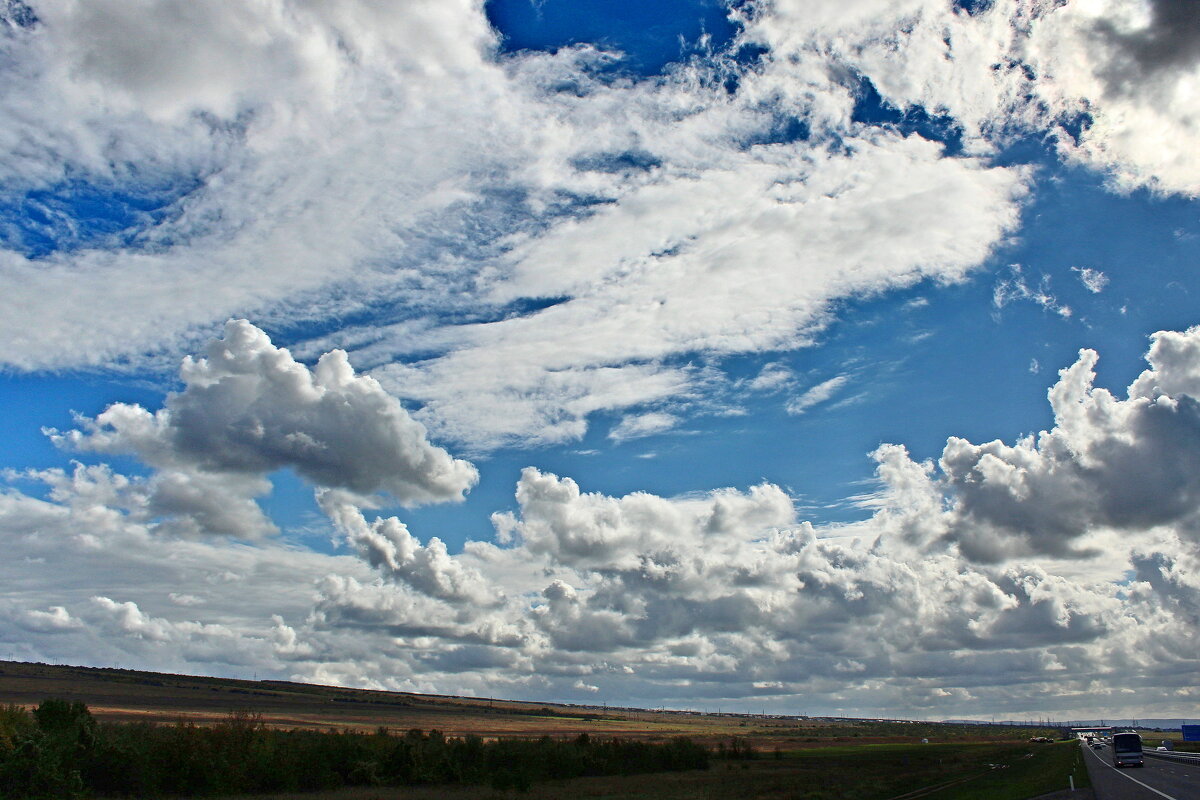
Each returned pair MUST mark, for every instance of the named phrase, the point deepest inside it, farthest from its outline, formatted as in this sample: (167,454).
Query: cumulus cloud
(388,546)
(55,619)
(84,548)
(1107,464)
(582,529)
(249,408)
(1001,575)
(1092,55)
(1165,35)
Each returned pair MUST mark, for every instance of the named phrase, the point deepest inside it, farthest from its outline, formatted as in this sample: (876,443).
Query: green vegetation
(1045,769)
(60,751)
(870,772)
(995,771)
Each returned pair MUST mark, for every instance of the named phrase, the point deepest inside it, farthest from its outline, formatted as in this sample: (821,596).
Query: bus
(1127,750)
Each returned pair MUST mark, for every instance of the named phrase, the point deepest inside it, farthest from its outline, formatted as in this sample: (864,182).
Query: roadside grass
(1045,769)
(867,772)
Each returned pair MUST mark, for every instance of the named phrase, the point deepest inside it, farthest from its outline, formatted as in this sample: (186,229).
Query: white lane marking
(1135,780)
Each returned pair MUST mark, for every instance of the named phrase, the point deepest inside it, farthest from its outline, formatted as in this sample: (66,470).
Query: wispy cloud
(772,378)
(1093,279)
(816,394)
(1015,288)
(637,426)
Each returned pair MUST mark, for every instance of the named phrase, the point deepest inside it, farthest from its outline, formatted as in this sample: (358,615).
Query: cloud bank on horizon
(993,571)
(511,245)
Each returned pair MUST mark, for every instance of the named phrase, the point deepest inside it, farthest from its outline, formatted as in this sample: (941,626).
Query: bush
(43,754)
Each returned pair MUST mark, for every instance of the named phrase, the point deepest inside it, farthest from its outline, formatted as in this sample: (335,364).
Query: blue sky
(679,353)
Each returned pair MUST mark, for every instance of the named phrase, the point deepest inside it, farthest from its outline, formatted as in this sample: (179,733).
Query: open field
(128,695)
(980,771)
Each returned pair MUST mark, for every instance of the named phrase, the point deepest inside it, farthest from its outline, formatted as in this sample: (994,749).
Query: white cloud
(580,529)
(1004,576)
(772,378)
(388,546)
(817,394)
(1015,288)
(636,426)
(1093,279)
(270,120)
(249,408)
(56,619)
(1133,68)
(247,95)
(642,275)
(513,283)
(1107,464)
(264,163)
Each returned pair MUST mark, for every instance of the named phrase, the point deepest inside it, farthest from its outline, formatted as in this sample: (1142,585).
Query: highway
(1157,780)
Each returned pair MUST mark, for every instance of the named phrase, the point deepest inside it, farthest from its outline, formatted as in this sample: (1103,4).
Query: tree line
(59,750)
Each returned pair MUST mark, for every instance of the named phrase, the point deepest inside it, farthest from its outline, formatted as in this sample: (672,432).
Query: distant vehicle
(1127,750)
(1097,745)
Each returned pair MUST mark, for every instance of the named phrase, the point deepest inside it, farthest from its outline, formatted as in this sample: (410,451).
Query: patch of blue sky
(76,215)
(973,7)
(780,129)
(17,14)
(621,162)
(26,414)
(651,35)
(292,506)
(871,109)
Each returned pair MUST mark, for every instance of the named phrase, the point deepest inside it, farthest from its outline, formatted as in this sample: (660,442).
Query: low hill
(127,695)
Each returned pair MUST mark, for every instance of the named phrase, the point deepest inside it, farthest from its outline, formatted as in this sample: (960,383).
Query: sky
(828,358)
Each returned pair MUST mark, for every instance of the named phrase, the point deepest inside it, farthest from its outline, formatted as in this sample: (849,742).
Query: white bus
(1127,750)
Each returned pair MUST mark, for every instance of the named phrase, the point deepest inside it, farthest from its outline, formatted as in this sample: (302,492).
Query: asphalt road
(1158,780)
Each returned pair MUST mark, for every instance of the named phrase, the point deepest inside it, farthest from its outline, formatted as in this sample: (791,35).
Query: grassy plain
(979,771)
